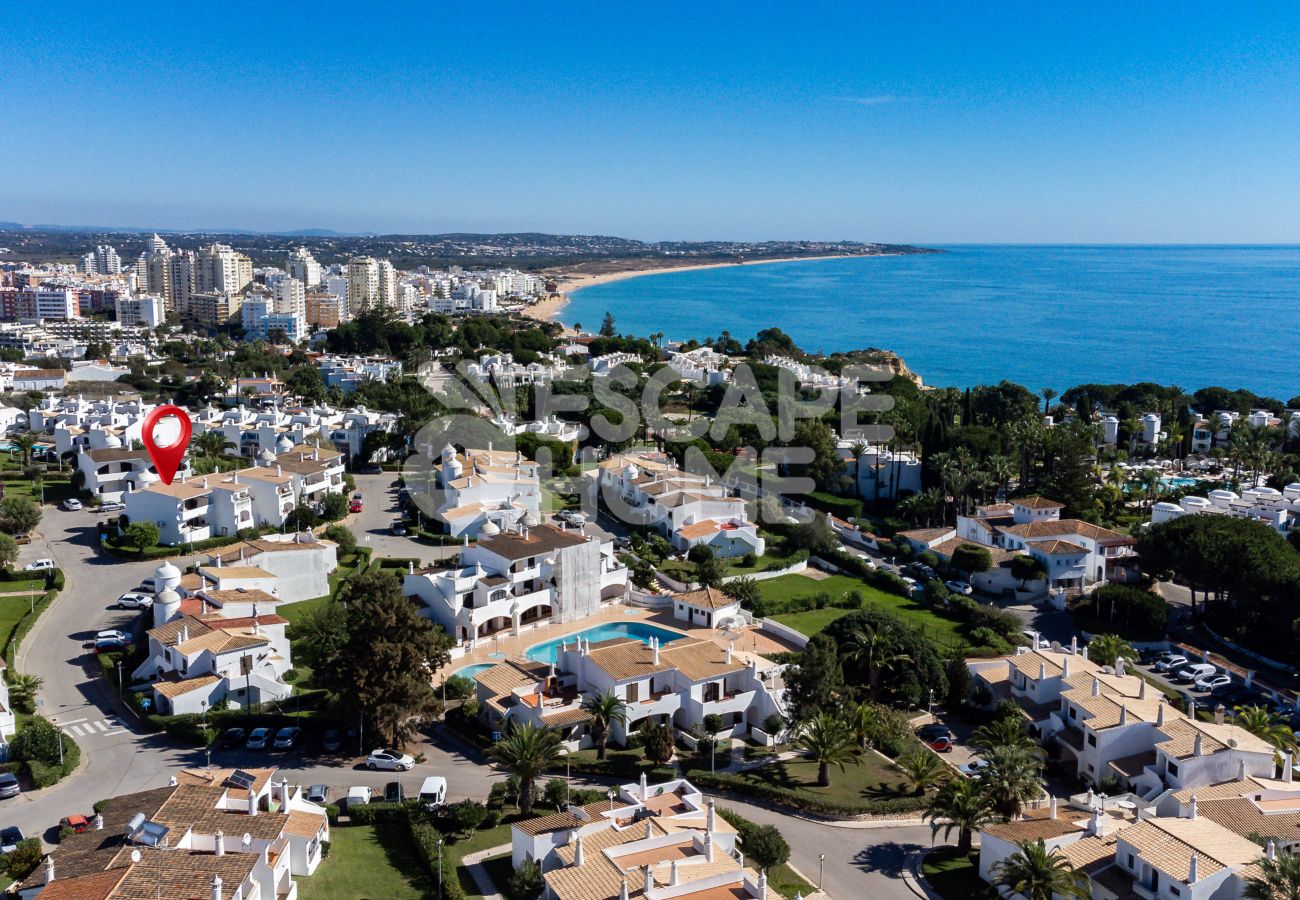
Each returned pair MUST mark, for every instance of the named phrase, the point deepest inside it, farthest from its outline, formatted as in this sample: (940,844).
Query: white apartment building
(551,428)
(261,320)
(508,581)
(303,267)
(371,282)
(349,436)
(811,376)
(103,260)
(688,509)
(501,369)
(48,303)
(219,269)
(879,473)
(146,310)
(704,366)
(481,486)
(8,721)
(348,372)
(604,365)
(110,472)
(1279,510)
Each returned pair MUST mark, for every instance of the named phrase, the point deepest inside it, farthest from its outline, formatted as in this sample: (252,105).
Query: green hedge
(842,507)
(749,790)
(379,813)
(54,582)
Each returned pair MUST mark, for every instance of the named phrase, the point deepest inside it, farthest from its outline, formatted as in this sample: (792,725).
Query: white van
(358,796)
(433,791)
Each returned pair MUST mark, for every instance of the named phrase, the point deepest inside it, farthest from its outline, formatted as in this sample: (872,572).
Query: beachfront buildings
(1279,510)
(228,834)
(676,680)
(703,366)
(1112,723)
(1074,554)
(509,580)
(690,510)
(481,487)
(656,841)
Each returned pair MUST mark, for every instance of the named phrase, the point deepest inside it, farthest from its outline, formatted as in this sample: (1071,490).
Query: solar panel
(241,779)
(151,834)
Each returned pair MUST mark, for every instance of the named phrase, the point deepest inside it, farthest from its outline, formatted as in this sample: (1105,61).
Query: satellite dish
(1232,742)
(135,856)
(248,839)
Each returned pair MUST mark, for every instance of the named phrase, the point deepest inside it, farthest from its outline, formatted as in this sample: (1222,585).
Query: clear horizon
(941,125)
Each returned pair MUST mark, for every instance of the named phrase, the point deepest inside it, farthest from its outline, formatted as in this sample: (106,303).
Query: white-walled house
(511,579)
(299,565)
(481,486)
(8,722)
(879,473)
(1279,510)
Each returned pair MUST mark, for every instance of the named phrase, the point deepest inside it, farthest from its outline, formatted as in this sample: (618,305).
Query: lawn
(811,622)
(369,861)
(787,587)
(954,876)
(12,609)
(872,779)
(458,847)
(499,869)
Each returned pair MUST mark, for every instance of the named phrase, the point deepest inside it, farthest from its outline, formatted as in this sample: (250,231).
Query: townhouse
(198,659)
(678,683)
(690,510)
(111,472)
(1107,722)
(227,834)
(1279,510)
(508,580)
(479,488)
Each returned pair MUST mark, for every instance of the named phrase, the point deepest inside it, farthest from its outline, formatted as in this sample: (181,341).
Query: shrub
(774,793)
(458,687)
(526,883)
(469,815)
(774,724)
(1133,613)
(378,814)
(347,542)
(25,858)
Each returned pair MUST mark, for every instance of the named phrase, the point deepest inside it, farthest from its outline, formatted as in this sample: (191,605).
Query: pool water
(470,671)
(548,651)
(1179,482)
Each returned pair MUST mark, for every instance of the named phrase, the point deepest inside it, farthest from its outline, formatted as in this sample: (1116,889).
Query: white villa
(1279,510)
(880,473)
(512,579)
(688,509)
(482,486)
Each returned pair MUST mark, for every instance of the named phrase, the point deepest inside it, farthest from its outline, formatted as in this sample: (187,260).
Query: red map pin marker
(166,459)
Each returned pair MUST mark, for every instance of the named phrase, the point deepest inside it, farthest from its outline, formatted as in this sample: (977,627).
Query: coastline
(547,310)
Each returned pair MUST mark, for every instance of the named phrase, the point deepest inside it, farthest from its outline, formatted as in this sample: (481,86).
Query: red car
(78,824)
(354,506)
(937,737)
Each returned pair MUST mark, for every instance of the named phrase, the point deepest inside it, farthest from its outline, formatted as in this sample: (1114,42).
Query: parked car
(113,634)
(1171,663)
(393,792)
(433,791)
(399,529)
(332,741)
(318,793)
(972,768)
(569,517)
(358,796)
(1210,682)
(286,737)
(1189,674)
(354,506)
(111,645)
(112,506)
(72,504)
(10,838)
(369,470)
(258,738)
(231,738)
(9,786)
(23,538)
(39,565)
(132,600)
(78,824)
(936,737)
(392,760)
(959,587)
(1150,657)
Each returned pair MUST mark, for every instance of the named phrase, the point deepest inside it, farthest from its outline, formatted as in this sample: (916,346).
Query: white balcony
(664,703)
(737,701)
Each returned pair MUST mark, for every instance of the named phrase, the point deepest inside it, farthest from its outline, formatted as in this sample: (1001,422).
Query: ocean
(1044,316)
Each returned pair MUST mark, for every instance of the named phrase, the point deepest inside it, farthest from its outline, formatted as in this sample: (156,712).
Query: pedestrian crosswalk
(92,728)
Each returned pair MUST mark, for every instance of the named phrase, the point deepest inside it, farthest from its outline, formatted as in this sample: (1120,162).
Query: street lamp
(440,867)
(821,868)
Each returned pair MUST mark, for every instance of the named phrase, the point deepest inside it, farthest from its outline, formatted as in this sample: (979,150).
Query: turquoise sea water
(548,651)
(1043,316)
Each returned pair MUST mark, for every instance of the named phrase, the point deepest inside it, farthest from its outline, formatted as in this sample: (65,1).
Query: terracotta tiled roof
(699,660)
(562,821)
(303,824)
(1036,502)
(1168,845)
(1243,816)
(706,598)
(1054,547)
(173,689)
(1039,826)
(96,886)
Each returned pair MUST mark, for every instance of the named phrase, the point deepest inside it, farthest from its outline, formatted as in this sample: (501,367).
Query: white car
(393,760)
(569,517)
(132,600)
(1170,664)
(358,796)
(1213,681)
(72,504)
(959,587)
(113,634)
(112,506)
(41,565)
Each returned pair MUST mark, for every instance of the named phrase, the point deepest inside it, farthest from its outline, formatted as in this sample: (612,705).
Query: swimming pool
(470,671)
(548,651)
(1179,482)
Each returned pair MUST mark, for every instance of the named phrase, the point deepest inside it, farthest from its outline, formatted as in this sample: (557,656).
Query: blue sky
(939,122)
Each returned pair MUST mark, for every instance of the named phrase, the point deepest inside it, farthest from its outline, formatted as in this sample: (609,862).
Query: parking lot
(1175,670)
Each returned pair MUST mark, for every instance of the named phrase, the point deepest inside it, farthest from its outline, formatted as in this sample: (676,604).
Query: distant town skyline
(942,124)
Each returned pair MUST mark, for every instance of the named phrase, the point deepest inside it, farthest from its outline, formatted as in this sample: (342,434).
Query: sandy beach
(547,310)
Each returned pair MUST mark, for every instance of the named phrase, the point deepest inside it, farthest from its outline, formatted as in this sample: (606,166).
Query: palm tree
(962,805)
(26,443)
(1048,395)
(1262,723)
(922,768)
(210,443)
(861,720)
(828,741)
(1277,879)
(1005,732)
(1012,777)
(877,649)
(605,709)
(527,751)
(22,691)
(1036,873)
(1106,649)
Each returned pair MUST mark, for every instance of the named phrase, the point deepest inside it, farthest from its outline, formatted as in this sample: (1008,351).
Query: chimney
(645,793)
(1286,767)
(1119,666)
(1218,714)
(1084,652)
(1051,807)
(1198,745)
(1096,686)
(649,830)
(49,868)
(1191,870)
(1160,713)
(1271,851)
(99,822)
(578,856)
(649,882)
(1095,825)
(219,843)
(284,795)
(708,846)
(762,886)
(1074,644)
(1065,667)
(277,470)
(1191,710)
(1123,715)
(1042,670)
(712,821)
(1191,808)
(410,567)
(622,893)
(252,802)
(655,645)
(1142,689)
(673,879)
(728,653)
(1241,770)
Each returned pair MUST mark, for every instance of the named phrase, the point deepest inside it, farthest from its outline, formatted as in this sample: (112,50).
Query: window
(1092,740)
(1130,861)
(1171,769)
(1174,890)
(1074,713)
(633,692)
